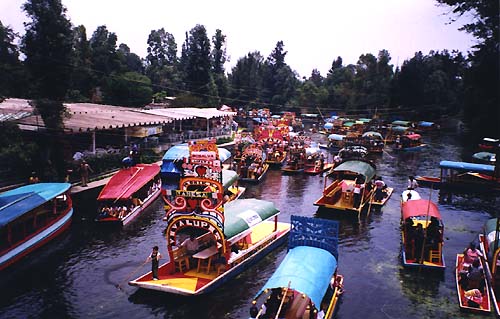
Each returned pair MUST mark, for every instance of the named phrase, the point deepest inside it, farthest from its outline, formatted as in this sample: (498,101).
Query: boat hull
(485,306)
(218,280)
(37,240)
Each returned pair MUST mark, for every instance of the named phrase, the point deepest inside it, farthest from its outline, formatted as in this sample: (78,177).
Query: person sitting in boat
(474,298)
(379,193)
(254,312)
(191,245)
(434,233)
(471,254)
(475,276)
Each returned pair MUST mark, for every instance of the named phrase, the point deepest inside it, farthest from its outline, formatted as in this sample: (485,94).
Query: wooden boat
(490,247)
(128,193)
(463,176)
(353,152)
(373,141)
(428,127)
(30,217)
(339,194)
(335,143)
(428,245)
(230,183)
(273,142)
(410,143)
(252,167)
(473,301)
(489,144)
(297,154)
(231,236)
(318,168)
(306,283)
(387,194)
(484,158)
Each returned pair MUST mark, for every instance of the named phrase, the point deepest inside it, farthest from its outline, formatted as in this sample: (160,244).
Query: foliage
(128,89)
(18,157)
(12,77)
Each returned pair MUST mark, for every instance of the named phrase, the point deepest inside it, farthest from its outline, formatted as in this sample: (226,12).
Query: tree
(128,89)
(105,59)
(481,80)
(129,60)
(82,79)
(12,76)
(219,58)
(47,45)
(246,78)
(198,66)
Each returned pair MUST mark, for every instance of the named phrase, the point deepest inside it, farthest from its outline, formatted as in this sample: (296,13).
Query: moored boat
(490,247)
(252,166)
(230,236)
(30,217)
(306,284)
(422,234)
(410,143)
(348,191)
(474,298)
(128,193)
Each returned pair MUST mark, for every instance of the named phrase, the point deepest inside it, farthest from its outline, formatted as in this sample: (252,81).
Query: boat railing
(239,258)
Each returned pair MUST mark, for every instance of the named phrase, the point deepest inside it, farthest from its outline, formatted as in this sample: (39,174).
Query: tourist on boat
(475,276)
(254,311)
(474,298)
(358,187)
(434,232)
(412,183)
(155,260)
(379,189)
(191,244)
(471,254)
(419,242)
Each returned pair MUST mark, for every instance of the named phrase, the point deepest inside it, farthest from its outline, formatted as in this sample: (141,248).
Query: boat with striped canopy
(306,284)
(128,193)
(30,217)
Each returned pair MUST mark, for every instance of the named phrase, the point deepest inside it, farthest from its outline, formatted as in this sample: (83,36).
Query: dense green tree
(198,65)
(12,76)
(129,60)
(19,158)
(82,79)
(128,89)
(339,84)
(481,80)
(219,58)
(105,59)
(47,46)
(246,79)
(162,65)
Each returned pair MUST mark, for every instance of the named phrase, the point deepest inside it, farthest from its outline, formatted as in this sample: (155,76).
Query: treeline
(102,71)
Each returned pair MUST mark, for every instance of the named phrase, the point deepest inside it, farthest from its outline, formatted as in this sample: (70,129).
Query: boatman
(155,260)
(412,183)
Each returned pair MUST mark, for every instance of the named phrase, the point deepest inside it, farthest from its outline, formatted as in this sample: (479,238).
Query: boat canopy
(336,137)
(348,124)
(328,125)
(307,270)
(365,120)
(168,168)
(127,181)
(413,137)
(401,123)
(400,128)
(312,150)
(229,177)
(490,228)
(484,156)
(464,166)
(372,134)
(360,167)
(181,151)
(490,140)
(19,201)
(414,195)
(425,124)
(242,214)
(419,207)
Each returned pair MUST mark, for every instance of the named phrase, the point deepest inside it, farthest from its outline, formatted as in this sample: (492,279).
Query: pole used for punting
(426,227)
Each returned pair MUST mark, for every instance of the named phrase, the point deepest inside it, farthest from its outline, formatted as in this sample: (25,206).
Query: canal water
(84,273)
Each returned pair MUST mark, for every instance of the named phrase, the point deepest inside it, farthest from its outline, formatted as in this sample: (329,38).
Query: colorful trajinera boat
(472,296)
(306,283)
(252,167)
(484,158)
(410,143)
(171,166)
(30,217)
(230,236)
(463,176)
(489,243)
(335,142)
(422,233)
(273,143)
(349,190)
(128,193)
(297,154)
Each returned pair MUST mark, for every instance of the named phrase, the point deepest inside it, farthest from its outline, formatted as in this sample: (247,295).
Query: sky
(314,32)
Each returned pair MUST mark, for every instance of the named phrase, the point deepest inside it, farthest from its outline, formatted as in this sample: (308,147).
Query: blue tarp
(425,124)
(464,166)
(328,125)
(19,201)
(308,270)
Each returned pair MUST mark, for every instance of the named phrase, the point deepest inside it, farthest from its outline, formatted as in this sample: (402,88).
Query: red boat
(128,193)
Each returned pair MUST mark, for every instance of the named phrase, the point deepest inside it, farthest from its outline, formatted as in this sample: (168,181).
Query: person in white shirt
(191,244)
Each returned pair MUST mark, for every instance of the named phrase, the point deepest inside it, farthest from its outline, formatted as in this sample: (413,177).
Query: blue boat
(306,283)
(31,216)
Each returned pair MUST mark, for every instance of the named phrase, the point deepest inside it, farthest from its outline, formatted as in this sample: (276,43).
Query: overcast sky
(314,32)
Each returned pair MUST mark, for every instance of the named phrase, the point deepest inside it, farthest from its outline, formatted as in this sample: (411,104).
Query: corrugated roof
(190,112)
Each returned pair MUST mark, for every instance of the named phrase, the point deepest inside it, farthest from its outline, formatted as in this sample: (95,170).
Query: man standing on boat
(84,172)
(412,183)
(155,260)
